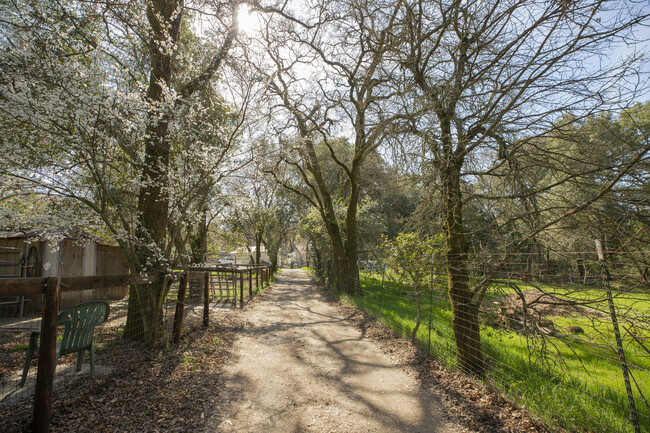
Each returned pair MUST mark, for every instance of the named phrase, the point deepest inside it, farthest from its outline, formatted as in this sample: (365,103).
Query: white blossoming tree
(104,105)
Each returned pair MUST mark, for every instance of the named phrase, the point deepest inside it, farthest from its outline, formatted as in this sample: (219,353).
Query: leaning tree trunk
(464,313)
(144,316)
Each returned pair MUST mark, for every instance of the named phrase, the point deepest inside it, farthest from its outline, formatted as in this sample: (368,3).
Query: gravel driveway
(298,366)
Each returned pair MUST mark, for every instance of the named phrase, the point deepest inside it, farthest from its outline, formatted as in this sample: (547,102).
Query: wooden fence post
(46,358)
(241,289)
(206,300)
(250,284)
(257,279)
(180,305)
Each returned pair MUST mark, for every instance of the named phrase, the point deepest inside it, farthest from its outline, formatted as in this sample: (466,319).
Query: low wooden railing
(262,275)
(52,287)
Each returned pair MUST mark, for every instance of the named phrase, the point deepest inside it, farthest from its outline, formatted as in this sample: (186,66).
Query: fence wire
(567,335)
(21,319)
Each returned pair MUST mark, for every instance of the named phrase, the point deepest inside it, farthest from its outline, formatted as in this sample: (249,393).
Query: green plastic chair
(79,324)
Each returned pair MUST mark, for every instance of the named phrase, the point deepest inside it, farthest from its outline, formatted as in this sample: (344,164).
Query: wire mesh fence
(566,335)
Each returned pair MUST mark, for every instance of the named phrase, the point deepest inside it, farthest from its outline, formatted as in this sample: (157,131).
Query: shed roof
(65,232)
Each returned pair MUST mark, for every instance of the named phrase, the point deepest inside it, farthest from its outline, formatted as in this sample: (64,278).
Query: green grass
(578,386)
(312,274)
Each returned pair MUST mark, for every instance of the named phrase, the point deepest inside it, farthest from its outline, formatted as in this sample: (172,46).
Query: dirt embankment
(532,311)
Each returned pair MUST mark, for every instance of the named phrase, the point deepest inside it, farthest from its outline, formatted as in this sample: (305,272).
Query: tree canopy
(504,125)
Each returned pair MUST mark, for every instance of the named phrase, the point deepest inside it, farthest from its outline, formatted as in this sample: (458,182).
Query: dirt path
(300,367)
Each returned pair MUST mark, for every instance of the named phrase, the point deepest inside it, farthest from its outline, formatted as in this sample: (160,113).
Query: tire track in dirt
(300,367)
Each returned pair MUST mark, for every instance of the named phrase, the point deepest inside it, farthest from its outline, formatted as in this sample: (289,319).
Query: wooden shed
(54,252)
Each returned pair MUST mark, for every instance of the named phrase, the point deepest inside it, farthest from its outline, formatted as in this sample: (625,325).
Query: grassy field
(574,382)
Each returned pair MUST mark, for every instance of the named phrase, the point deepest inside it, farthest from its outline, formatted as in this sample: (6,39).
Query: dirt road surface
(300,367)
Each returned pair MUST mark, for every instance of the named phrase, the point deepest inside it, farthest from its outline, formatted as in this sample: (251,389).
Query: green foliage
(190,361)
(414,258)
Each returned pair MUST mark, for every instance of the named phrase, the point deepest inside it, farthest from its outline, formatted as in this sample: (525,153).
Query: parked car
(226,261)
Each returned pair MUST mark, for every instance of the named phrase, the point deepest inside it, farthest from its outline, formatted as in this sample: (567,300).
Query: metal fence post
(381,290)
(617,335)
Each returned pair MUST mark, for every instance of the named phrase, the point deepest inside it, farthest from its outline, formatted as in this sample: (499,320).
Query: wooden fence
(52,288)
(227,283)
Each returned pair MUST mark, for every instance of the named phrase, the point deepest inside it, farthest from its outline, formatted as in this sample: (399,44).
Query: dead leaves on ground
(165,389)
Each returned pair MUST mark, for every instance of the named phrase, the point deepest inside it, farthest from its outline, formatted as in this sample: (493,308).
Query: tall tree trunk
(347,271)
(339,262)
(319,265)
(144,317)
(144,312)
(258,246)
(199,239)
(352,250)
(464,313)
(351,272)
(273,252)
(345,262)
(347,276)
(346,267)
(344,248)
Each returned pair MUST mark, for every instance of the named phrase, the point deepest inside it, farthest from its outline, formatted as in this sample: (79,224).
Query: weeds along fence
(567,335)
(190,295)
